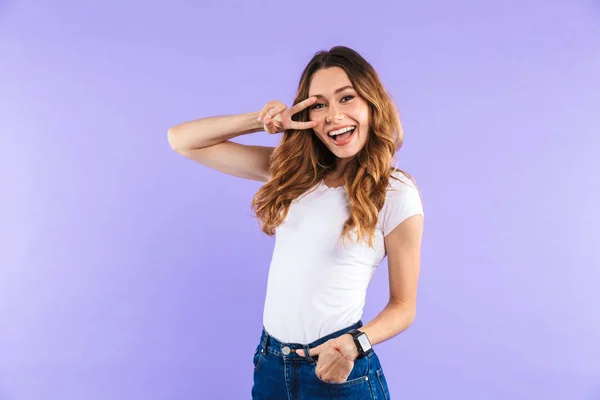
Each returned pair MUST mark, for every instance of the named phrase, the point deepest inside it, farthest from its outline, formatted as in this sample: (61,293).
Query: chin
(345,154)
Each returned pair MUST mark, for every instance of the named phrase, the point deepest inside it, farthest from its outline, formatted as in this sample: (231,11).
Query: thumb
(315,351)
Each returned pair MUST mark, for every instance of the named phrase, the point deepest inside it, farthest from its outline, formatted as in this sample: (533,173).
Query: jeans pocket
(358,386)
(360,373)
(257,358)
(345,384)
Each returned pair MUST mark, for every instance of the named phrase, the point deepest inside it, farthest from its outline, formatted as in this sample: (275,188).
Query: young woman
(338,207)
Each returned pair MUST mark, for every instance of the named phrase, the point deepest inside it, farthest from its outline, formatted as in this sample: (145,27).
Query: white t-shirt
(317,283)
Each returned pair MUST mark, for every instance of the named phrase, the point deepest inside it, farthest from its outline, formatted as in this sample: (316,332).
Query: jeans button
(285,350)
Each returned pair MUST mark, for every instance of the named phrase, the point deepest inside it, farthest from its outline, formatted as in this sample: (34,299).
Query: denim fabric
(278,376)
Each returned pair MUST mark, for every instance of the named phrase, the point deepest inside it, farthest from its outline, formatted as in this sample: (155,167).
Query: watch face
(364,342)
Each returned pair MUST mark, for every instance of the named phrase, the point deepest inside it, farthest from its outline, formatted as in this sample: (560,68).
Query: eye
(318,106)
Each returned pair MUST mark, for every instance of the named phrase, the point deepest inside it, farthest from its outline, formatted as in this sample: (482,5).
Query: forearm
(206,132)
(391,321)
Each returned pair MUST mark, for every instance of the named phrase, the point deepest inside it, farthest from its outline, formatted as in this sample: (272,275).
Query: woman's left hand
(336,358)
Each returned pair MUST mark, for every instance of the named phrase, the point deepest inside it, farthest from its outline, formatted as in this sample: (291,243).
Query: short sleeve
(403,200)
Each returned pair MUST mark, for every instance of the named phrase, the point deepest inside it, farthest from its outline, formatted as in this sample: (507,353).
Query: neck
(340,166)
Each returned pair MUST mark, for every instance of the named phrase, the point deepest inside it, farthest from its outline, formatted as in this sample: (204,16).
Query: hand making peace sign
(277,118)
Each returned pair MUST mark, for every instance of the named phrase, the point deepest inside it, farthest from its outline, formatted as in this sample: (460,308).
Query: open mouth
(342,136)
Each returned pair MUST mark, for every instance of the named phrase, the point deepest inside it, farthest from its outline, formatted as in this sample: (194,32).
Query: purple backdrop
(128,272)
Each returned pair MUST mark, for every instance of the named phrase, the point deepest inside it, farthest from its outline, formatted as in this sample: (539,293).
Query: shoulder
(403,200)
(401,181)
(402,191)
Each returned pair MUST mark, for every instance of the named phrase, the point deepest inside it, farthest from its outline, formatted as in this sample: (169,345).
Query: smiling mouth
(343,137)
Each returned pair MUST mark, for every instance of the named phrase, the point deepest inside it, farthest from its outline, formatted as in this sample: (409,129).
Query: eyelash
(314,107)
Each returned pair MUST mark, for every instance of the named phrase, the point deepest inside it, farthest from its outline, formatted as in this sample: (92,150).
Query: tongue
(343,136)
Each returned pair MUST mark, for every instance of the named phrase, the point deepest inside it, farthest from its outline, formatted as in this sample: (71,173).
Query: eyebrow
(336,91)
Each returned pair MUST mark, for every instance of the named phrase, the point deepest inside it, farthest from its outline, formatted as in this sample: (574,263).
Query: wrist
(256,125)
(360,342)
(350,350)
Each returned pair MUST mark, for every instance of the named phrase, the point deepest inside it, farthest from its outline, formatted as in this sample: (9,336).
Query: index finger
(302,105)
(302,125)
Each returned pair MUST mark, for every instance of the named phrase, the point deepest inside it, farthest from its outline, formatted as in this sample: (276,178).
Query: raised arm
(208,140)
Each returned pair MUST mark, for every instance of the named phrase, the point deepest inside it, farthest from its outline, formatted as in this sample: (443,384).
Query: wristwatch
(363,345)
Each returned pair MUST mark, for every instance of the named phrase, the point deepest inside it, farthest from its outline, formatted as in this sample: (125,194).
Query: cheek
(319,119)
(361,113)
(318,130)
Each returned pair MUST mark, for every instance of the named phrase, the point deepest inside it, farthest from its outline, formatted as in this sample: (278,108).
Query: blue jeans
(280,374)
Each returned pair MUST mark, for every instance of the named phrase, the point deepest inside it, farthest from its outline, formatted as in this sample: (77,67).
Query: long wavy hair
(302,160)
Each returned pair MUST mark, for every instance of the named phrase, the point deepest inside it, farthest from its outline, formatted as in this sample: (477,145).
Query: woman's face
(337,110)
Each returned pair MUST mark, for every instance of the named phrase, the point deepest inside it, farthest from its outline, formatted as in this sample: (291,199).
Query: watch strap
(355,333)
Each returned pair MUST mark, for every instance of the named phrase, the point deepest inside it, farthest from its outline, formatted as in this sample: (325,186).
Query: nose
(334,113)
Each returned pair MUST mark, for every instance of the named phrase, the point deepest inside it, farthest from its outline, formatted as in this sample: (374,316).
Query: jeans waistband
(274,346)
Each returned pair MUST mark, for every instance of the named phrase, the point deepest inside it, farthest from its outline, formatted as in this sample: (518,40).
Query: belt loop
(307,352)
(264,342)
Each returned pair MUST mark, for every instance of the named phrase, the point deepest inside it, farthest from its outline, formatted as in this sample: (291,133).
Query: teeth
(340,131)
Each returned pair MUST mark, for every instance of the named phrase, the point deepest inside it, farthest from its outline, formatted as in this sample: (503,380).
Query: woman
(338,207)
